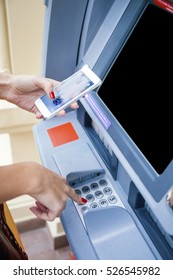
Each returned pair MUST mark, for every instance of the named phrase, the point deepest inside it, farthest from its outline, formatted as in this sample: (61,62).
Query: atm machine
(116,149)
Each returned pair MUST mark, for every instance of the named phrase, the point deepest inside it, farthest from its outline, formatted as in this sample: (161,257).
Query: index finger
(75,197)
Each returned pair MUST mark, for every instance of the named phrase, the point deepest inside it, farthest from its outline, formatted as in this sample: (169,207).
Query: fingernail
(52,95)
(83,200)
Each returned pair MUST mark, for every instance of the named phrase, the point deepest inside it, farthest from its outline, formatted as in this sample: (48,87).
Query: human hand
(49,189)
(25,89)
(51,192)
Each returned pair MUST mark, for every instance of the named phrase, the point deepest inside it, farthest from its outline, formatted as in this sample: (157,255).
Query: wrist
(16,180)
(5,84)
(10,182)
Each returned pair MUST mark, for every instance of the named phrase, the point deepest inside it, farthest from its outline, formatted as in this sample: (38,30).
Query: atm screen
(138,88)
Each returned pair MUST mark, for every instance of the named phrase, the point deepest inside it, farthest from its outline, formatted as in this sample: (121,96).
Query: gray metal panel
(96,12)
(75,231)
(112,34)
(62,29)
(60,54)
(114,235)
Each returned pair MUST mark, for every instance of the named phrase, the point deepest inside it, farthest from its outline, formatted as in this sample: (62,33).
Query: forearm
(12,182)
(5,84)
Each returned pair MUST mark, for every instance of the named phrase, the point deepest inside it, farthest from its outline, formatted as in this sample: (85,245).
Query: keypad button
(90,197)
(103,183)
(112,199)
(107,191)
(99,194)
(84,208)
(94,186)
(103,203)
(94,205)
(78,191)
(85,189)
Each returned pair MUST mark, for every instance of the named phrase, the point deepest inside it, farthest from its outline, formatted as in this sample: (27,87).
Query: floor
(38,245)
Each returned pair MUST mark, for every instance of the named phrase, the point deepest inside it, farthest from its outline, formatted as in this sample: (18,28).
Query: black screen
(138,89)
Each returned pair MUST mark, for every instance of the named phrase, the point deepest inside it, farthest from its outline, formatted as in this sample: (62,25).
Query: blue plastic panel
(114,235)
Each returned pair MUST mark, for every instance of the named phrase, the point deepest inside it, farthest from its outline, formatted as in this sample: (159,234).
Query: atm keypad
(99,193)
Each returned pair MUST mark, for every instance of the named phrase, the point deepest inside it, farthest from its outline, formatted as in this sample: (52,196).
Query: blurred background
(21,28)
(21,32)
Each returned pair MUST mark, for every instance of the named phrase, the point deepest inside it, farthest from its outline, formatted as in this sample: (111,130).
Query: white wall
(21,29)
(5,149)
(21,21)
(25,29)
